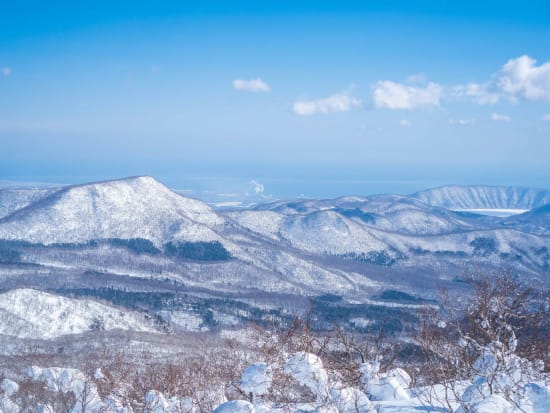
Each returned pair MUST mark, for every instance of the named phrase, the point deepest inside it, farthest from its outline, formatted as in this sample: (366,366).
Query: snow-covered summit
(28,313)
(137,207)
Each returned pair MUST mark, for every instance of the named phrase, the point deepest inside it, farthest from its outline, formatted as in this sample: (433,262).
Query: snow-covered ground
(308,388)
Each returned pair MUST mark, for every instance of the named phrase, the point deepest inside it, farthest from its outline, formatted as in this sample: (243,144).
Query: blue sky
(314,98)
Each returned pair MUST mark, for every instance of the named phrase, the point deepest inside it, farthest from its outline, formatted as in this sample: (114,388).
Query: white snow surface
(256,379)
(266,223)
(307,369)
(184,320)
(331,233)
(235,406)
(391,385)
(28,313)
(7,405)
(9,387)
(67,379)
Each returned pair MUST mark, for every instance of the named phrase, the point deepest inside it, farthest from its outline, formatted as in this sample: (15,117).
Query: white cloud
(519,78)
(481,93)
(258,187)
(339,102)
(546,117)
(462,122)
(497,117)
(391,95)
(522,78)
(252,85)
(405,122)
(6,71)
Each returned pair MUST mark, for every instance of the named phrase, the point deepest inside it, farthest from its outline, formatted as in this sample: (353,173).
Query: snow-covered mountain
(384,212)
(350,224)
(484,197)
(389,229)
(353,247)
(27,313)
(139,207)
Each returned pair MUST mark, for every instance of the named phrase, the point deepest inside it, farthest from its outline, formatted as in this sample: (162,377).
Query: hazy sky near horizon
(307,97)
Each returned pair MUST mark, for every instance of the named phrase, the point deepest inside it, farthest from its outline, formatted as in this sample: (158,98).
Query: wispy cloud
(498,117)
(6,71)
(462,122)
(481,93)
(546,117)
(392,95)
(252,85)
(338,102)
(405,123)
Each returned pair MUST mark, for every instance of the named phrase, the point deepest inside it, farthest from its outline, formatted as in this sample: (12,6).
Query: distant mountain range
(484,197)
(225,267)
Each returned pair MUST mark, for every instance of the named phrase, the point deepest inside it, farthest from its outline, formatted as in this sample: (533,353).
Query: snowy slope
(304,206)
(323,231)
(13,199)
(484,197)
(138,207)
(35,314)
(329,232)
(266,223)
(409,216)
(536,221)
(493,245)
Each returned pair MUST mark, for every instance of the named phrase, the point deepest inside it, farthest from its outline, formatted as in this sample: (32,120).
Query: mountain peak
(138,180)
(134,207)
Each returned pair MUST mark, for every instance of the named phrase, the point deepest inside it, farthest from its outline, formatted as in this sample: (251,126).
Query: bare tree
(503,319)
